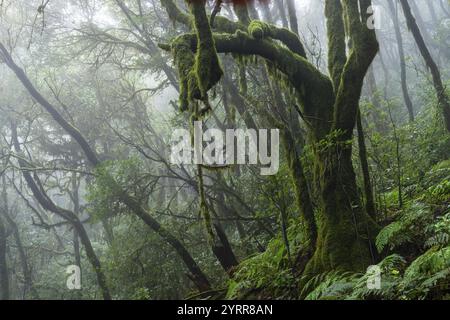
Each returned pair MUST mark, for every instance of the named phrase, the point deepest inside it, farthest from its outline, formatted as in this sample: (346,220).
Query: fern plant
(409,228)
(428,274)
(440,232)
(391,269)
(329,286)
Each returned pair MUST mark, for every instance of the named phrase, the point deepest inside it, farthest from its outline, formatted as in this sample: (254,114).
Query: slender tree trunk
(421,23)
(380,125)
(27,275)
(222,210)
(401,54)
(76,241)
(300,186)
(216,236)
(77,254)
(4,271)
(398,159)
(4,274)
(442,97)
(93,259)
(239,103)
(368,192)
(292,12)
(284,20)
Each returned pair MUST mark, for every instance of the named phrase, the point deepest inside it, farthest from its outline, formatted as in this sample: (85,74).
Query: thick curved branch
(262,30)
(301,74)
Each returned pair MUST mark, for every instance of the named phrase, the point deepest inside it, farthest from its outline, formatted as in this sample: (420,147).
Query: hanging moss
(203,206)
(184,60)
(201,71)
(243,87)
(207,67)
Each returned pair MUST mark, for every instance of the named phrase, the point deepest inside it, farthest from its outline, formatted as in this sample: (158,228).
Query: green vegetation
(92,205)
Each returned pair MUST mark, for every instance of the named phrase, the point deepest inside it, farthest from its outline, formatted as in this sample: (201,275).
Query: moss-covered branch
(207,67)
(299,73)
(336,40)
(262,30)
(364,48)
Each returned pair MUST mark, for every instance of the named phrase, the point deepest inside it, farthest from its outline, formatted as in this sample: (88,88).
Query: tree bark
(401,54)
(292,12)
(300,186)
(368,192)
(27,275)
(442,97)
(4,274)
(281,10)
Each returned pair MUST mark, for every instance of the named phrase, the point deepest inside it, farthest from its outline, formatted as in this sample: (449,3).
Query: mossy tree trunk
(362,150)
(345,230)
(329,107)
(301,189)
(26,271)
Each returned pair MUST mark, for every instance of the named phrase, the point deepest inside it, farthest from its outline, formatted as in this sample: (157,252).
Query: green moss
(224,25)
(259,30)
(198,72)
(243,87)
(207,67)
(184,60)
(336,40)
